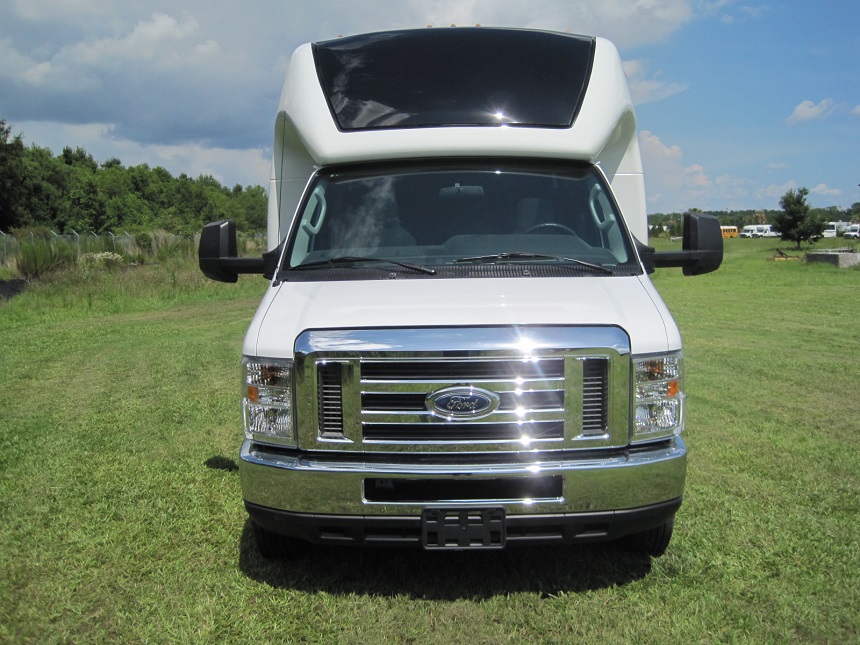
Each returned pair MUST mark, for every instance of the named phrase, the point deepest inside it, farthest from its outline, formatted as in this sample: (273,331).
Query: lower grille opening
(550,533)
(422,491)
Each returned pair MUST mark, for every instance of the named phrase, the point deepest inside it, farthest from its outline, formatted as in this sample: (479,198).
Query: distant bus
(832,229)
(729,231)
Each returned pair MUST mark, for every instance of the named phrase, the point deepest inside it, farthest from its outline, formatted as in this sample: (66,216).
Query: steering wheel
(553,225)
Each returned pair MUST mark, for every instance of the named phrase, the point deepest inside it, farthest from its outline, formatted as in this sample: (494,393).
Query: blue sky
(737,101)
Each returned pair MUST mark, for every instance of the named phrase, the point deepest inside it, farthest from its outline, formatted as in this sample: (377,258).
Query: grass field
(121,516)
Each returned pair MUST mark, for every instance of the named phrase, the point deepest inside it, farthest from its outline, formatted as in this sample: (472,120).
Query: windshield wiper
(501,257)
(349,259)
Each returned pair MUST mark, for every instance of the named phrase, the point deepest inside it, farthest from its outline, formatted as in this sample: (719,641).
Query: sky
(736,101)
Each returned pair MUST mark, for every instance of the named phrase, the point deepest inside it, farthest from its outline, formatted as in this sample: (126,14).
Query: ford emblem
(462,403)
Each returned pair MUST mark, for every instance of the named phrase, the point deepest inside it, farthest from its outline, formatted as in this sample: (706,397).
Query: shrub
(104,260)
(39,256)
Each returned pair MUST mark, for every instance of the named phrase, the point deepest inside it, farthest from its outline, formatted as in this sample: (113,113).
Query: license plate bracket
(459,529)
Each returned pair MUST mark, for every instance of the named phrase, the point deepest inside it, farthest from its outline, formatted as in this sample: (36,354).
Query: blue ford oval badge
(462,403)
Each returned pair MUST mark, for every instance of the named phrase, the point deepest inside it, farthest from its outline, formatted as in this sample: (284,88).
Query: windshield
(450,216)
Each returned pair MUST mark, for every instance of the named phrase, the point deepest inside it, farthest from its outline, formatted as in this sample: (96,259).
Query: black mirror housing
(218,255)
(702,247)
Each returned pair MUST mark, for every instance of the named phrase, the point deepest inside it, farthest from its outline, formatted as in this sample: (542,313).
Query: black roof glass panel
(454,77)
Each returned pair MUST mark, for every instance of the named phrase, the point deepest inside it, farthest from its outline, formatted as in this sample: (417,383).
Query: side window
(311,222)
(606,220)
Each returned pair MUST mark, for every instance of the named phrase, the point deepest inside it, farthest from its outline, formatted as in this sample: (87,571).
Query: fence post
(4,246)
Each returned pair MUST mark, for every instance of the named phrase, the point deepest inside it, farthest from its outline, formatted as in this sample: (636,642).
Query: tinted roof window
(455,76)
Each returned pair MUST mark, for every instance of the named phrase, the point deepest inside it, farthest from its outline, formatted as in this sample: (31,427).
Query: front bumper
(406,530)
(584,494)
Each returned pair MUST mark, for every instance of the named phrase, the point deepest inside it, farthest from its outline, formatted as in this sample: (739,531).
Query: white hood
(628,302)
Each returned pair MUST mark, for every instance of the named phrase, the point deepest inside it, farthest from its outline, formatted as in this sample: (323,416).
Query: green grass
(121,516)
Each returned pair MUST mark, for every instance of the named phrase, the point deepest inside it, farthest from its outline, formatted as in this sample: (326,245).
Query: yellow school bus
(729,231)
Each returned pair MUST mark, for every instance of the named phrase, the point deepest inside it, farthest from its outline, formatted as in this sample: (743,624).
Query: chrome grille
(394,400)
(563,392)
(330,398)
(594,396)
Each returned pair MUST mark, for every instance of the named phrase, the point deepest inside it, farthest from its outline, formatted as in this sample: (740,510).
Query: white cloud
(671,185)
(159,79)
(647,90)
(856,110)
(249,166)
(774,191)
(775,165)
(161,41)
(730,12)
(675,186)
(809,111)
(627,22)
(61,10)
(824,189)
(158,44)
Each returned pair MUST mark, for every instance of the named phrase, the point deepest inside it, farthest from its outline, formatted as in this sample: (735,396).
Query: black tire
(274,546)
(652,542)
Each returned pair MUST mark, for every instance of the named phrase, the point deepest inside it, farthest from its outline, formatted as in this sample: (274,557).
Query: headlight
(267,401)
(658,382)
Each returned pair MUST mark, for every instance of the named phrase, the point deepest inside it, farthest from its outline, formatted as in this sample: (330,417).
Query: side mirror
(702,247)
(219,258)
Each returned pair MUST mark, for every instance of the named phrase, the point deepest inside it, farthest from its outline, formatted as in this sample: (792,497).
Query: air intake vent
(594,396)
(330,398)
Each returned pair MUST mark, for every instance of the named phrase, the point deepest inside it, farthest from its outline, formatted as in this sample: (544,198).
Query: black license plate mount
(458,529)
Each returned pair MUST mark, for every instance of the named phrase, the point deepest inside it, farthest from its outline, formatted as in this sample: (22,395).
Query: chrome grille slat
(459,369)
(472,431)
(419,386)
(426,417)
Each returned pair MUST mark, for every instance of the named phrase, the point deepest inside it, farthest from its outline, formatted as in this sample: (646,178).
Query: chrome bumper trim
(592,481)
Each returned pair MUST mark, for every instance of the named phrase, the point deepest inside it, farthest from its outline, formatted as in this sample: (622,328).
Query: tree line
(71,191)
(673,222)
(796,222)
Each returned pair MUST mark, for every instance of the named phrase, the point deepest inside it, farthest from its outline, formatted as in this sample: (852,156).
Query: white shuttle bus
(460,347)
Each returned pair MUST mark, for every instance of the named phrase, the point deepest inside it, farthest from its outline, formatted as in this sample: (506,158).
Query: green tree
(11,176)
(80,158)
(73,191)
(45,189)
(88,211)
(797,223)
